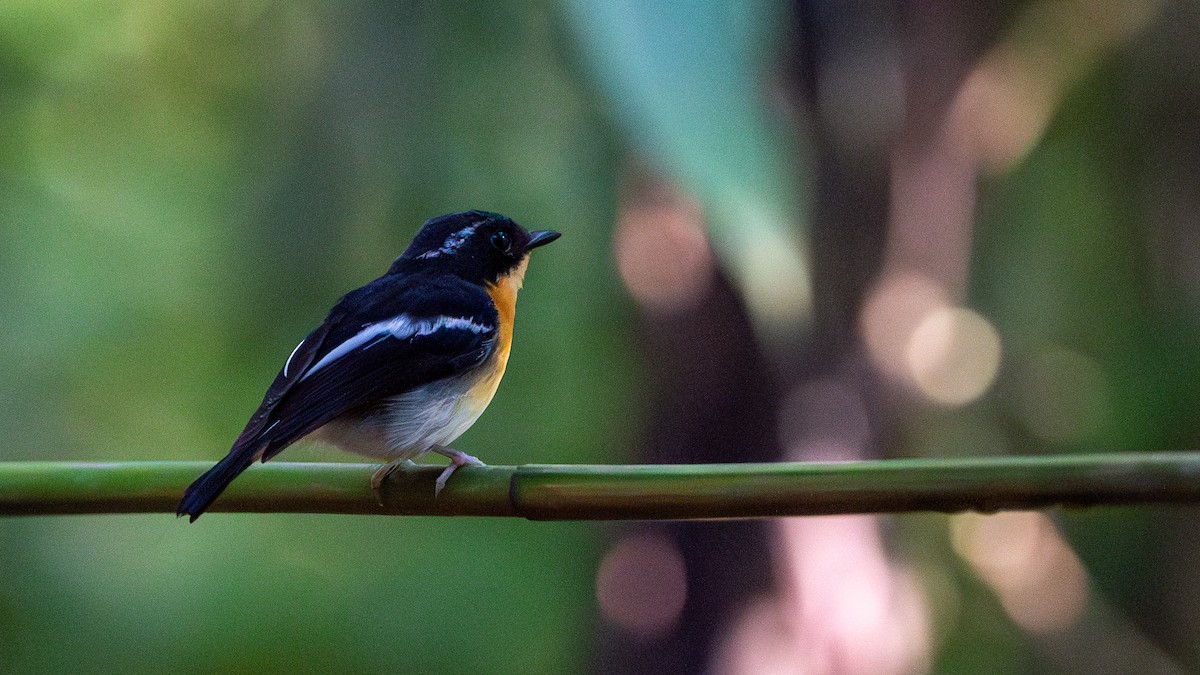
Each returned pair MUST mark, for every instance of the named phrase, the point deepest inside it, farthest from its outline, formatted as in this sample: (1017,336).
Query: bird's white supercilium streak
(452,243)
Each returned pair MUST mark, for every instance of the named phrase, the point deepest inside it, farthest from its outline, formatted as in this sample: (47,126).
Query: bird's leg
(457,459)
(382,473)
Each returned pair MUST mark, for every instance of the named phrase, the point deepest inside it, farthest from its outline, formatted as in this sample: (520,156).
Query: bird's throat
(504,296)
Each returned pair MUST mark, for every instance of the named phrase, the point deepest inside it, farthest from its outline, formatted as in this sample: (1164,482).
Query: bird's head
(481,247)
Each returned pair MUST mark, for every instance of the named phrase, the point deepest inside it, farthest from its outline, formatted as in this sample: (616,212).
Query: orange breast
(504,296)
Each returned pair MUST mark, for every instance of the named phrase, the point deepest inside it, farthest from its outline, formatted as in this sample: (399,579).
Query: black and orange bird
(402,366)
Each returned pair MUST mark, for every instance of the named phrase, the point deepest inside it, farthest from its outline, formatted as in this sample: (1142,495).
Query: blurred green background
(810,230)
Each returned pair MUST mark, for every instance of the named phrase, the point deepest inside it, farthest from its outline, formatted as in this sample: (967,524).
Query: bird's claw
(457,459)
(381,474)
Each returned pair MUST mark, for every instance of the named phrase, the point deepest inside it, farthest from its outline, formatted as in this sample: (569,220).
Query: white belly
(410,424)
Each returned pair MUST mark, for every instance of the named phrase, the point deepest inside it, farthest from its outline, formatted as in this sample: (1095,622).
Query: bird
(401,366)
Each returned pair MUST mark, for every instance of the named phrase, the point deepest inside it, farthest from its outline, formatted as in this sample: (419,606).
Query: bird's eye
(502,242)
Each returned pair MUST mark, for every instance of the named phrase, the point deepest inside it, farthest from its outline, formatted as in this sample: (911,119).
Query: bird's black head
(478,246)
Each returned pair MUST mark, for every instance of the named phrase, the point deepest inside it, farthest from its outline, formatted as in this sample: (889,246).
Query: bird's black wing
(301,358)
(386,338)
(393,358)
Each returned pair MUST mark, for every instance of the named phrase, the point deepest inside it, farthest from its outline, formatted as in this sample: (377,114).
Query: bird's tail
(201,493)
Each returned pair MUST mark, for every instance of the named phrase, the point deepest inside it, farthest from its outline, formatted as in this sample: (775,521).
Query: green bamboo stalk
(646,492)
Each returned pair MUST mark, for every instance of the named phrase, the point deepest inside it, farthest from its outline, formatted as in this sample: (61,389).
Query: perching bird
(401,366)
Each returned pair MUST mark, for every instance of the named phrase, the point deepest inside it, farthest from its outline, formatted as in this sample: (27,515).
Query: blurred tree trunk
(715,403)
(719,398)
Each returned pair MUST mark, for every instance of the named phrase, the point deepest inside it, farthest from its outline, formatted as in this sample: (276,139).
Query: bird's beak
(541,238)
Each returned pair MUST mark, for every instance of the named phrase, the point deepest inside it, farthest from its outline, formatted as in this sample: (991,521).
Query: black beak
(541,238)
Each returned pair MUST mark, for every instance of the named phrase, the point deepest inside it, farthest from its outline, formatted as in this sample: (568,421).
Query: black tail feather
(201,493)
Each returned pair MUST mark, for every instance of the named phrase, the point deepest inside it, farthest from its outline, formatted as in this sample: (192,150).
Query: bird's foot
(457,459)
(382,473)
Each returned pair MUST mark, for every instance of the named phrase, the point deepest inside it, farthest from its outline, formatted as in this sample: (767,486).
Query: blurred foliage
(186,187)
(184,190)
(1071,229)
(685,82)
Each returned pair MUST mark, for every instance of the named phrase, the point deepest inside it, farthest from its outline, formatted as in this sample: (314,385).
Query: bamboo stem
(646,492)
